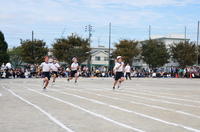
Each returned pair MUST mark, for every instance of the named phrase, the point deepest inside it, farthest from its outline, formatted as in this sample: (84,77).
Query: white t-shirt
(55,66)
(119,67)
(8,65)
(45,67)
(127,69)
(74,66)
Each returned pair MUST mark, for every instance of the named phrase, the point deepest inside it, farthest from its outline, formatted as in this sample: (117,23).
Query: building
(170,39)
(99,57)
(167,40)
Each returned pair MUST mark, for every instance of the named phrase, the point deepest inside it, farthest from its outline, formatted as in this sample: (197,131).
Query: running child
(119,72)
(46,67)
(127,70)
(74,70)
(55,67)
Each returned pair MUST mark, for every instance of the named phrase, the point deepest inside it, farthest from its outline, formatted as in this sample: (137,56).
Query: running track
(141,105)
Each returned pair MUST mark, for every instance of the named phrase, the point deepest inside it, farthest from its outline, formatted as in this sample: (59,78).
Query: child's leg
(76,77)
(46,80)
(54,77)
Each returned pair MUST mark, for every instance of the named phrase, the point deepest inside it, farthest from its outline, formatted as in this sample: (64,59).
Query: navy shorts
(55,73)
(46,75)
(119,75)
(73,73)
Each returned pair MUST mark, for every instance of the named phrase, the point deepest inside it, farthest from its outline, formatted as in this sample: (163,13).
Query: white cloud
(137,3)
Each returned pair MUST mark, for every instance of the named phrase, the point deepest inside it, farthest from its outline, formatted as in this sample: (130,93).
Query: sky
(53,19)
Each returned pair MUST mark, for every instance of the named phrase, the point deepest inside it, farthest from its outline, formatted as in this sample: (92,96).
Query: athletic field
(140,105)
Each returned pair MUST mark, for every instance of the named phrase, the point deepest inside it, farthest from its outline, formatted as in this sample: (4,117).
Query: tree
(154,53)
(128,49)
(33,52)
(73,46)
(4,57)
(15,56)
(184,53)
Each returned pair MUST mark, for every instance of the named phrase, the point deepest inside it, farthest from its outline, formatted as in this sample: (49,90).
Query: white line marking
(194,101)
(130,111)
(158,92)
(90,112)
(41,110)
(147,98)
(158,100)
(0,94)
(138,103)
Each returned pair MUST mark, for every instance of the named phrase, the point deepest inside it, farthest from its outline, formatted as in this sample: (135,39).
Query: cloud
(136,3)
(23,16)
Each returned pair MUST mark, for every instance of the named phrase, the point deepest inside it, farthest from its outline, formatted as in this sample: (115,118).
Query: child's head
(119,59)
(46,58)
(75,59)
(55,60)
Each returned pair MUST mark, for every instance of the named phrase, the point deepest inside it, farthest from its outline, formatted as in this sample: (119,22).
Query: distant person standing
(74,70)
(127,70)
(8,66)
(46,67)
(119,72)
(2,67)
(55,67)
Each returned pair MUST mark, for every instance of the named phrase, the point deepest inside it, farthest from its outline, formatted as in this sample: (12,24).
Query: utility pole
(89,29)
(198,42)
(32,34)
(149,32)
(185,37)
(109,67)
(33,46)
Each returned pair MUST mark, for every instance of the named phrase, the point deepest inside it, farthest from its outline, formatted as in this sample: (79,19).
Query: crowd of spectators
(33,71)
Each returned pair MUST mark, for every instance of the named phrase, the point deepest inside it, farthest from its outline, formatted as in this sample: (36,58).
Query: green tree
(33,52)
(15,56)
(4,57)
(154,53)
(184,53)
(73,46)
(128,49)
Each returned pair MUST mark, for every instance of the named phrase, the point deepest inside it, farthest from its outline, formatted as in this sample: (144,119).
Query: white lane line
(158,100)
(146,98)
(139,103)
(158,92)
(0,94)
(193,101)
(41,110)
(130,111)
(90,112)
(154,106)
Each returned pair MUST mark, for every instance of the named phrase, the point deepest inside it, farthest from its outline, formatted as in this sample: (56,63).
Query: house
(99,57)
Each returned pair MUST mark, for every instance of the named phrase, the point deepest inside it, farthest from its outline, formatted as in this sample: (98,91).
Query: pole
(198,43)
(149,32)
(89,29)
(32,35)
(185,34)
(109,68)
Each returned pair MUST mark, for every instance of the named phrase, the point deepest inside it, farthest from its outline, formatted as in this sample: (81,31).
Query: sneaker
(68,79)
(75,81)
(119,85)
(113,88)
(44,88)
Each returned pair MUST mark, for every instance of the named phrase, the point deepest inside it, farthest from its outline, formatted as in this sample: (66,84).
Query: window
(105,58)
(97,58)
